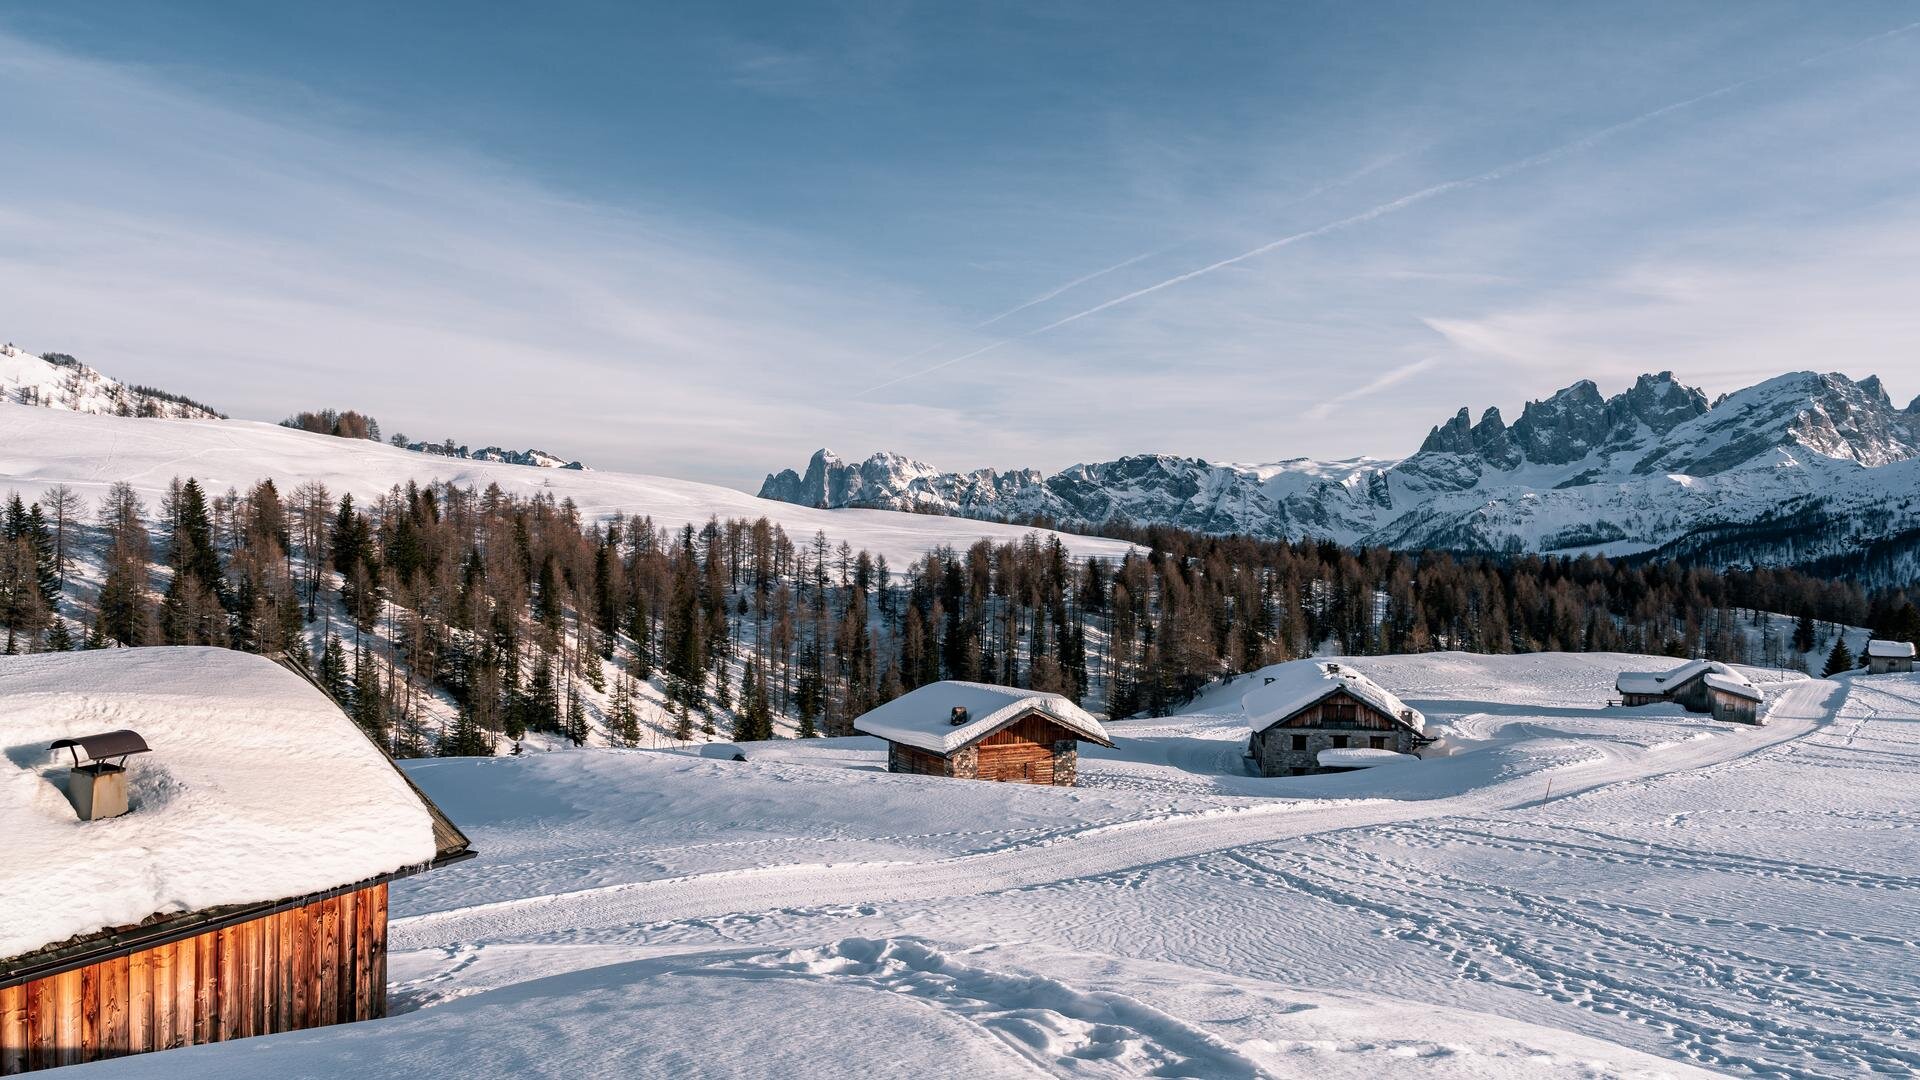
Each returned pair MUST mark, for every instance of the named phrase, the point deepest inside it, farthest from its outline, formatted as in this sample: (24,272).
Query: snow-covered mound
(257,788)
(43,447)
(56,381)
(1798,469)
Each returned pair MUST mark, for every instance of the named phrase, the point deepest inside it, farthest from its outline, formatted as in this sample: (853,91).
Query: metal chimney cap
(959,716)
(108,744)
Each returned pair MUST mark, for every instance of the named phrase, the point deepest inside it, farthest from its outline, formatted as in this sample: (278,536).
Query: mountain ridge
(1577,472)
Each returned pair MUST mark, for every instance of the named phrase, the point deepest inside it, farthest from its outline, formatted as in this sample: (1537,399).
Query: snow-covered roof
(257,789)
(1734,683)
(1358,757)
(923,718)
(1890,650)
(1295,686)
(1718,675)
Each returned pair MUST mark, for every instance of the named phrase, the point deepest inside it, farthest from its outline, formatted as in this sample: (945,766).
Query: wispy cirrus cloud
(1411,199)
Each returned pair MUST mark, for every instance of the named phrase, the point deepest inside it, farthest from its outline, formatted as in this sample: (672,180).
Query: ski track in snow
(1095,851)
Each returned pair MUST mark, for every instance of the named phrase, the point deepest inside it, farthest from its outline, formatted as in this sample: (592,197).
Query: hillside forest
(461,621)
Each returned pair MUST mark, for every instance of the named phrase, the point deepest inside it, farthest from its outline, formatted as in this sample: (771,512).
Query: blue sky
(704,242)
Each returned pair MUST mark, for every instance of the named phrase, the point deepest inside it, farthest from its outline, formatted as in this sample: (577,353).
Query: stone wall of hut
(1292,746)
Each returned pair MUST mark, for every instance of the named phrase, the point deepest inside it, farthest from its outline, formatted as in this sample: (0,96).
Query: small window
(1339,742)
(1299,742)
(1378,742)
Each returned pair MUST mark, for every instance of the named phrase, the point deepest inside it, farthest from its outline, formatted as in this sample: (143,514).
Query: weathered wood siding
(1292,746)
(902,758)
(310,966)
(1031,750)
(1733,708)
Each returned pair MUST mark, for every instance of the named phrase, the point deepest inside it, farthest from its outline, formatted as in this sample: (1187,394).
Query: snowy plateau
(1806,469)
(1558,889)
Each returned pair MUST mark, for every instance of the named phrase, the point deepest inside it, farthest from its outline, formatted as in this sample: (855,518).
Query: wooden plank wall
(902,758)
(1363,715)
(1021,752)
(310,966)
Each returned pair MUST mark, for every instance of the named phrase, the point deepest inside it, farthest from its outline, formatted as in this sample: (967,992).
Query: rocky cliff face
(1657,466)
(536,458)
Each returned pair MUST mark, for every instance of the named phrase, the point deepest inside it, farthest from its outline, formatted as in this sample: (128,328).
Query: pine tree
(1840,659)
(59,638)
(576,716)
(369,703)
(23,610)
(192,548)
(40,537)
(333,669)
(623,718)
(1803,633)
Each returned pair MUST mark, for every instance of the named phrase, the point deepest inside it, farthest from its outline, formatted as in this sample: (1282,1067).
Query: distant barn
(214,868)
(1884,657)
(1702,686)
(1308,707)
(973,731)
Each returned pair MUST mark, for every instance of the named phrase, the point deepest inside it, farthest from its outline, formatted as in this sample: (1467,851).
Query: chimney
(1333,669)
(97,787)
(959,716)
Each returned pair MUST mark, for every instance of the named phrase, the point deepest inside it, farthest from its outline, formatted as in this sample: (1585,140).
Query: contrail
(1497,173)
(1390,378)
(1315,192)
(1035,302)
(1071,285)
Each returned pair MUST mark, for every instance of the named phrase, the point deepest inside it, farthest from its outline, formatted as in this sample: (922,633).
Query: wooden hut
(1702,686)
(1309,706)
(973,731)
(243,890)
(1887,657)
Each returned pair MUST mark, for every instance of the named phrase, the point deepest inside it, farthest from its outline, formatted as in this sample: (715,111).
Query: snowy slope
(1798,469)
(43,447)
(63,383)
(1563,890)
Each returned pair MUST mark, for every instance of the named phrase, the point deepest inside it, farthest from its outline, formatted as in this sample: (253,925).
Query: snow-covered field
(1560,889)
(43,447)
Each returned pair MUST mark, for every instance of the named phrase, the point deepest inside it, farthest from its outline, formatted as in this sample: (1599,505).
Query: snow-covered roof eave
(1664,683)
(1882,649)
(920,718)
(1734,685)
(1305,683)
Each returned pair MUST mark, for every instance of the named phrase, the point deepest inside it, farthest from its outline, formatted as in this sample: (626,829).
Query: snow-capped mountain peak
(1655,466)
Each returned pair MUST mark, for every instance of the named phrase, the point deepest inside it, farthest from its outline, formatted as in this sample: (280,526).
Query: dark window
(1299,742)
(1378,742)
(1339,742)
